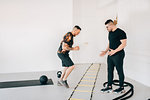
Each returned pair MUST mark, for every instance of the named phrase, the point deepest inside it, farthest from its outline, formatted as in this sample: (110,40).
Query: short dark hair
(108,21)
(78,27)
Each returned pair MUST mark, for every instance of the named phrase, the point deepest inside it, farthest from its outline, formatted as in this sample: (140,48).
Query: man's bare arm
(104,52)
(66,47)
(122,45)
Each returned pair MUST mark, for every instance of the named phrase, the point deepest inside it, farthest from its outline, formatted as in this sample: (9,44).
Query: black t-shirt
(68,38)
(115,37)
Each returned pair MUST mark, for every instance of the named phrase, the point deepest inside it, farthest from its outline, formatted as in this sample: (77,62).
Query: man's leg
(70,66)
(119,67)
(62,57)
(68,71)
(65,76)
(120,74)
(110,70)
(110,76)
(64,72)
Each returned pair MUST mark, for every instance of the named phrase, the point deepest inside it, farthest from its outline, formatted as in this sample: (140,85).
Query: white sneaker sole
(63,84)
(109,91)
(123,91)
(66,85)
(59,84)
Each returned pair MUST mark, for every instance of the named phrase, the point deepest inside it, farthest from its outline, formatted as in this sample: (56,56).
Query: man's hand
(111,52)
(103,53)
(76,48)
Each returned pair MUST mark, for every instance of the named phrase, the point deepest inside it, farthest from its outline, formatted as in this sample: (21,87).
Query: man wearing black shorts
(63,54)
(117,42)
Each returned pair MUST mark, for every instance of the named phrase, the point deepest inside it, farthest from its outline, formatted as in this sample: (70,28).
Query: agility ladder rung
(89,78)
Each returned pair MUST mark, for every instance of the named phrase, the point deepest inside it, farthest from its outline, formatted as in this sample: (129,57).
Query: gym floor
(54,92)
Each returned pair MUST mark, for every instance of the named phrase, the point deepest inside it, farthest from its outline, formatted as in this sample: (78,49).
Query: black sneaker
(119,90)
(65,84)
(107,89)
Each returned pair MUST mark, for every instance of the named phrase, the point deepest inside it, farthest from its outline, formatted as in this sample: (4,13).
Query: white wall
(91,16)
(134,18)
(30,33)
(31,30)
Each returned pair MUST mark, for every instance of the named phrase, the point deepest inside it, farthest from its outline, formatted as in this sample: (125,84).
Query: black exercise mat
(24,83)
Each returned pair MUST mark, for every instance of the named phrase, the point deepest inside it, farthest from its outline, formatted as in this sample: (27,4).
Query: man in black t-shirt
(117,42)
(63,54)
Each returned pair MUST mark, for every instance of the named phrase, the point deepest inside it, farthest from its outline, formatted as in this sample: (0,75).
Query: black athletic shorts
(66,60)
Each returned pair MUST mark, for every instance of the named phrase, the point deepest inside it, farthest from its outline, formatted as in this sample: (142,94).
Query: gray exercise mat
(24,83)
